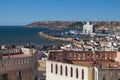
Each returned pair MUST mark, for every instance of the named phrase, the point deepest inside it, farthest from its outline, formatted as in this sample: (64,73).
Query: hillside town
(96,57)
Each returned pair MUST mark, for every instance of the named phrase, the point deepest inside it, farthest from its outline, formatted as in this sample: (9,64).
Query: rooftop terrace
(100,59)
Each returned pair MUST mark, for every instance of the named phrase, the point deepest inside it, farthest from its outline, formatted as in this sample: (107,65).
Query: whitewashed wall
(96,73)
(88,28)
(58,76)
(28,51)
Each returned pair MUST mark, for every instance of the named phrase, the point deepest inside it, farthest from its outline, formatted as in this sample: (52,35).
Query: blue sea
(20,35)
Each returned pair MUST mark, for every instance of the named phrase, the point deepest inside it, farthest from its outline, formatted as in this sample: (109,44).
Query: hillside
(59,24)
(50,24)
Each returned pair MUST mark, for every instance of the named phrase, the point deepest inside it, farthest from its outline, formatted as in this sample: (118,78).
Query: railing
(10,51)
(17,63)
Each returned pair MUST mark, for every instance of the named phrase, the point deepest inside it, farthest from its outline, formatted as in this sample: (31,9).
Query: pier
(49,37)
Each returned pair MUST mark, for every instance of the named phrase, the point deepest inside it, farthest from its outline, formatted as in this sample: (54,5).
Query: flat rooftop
(16,56)
(15,53)
(102,59)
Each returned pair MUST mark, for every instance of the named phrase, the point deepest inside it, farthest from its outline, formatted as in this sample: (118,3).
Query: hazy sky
(22,12)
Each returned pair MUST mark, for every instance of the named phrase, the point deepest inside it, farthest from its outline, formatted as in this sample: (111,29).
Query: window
(4,77)
(66,71)
(77,73)
(36,78)
(56,69)
(82,74)
(19,75)
(61,70)
(71,72)
(51,68)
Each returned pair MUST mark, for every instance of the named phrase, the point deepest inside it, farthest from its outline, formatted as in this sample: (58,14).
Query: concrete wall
(108,74)
(25,50)
(42,65)
(91,73)
(26,74)
(42,69)
(58,76)
(28,51)
(95,73)
(118,56)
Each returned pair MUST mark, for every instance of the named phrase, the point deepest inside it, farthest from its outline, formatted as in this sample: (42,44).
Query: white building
(86,65)
(66,71)
(87,29)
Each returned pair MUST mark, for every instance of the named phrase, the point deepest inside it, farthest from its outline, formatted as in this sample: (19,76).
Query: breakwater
(49,37)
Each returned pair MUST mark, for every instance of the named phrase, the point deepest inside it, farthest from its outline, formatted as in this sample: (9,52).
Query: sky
(23,12)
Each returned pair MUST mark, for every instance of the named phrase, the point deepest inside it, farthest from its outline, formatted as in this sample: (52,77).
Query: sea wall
(49,37)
